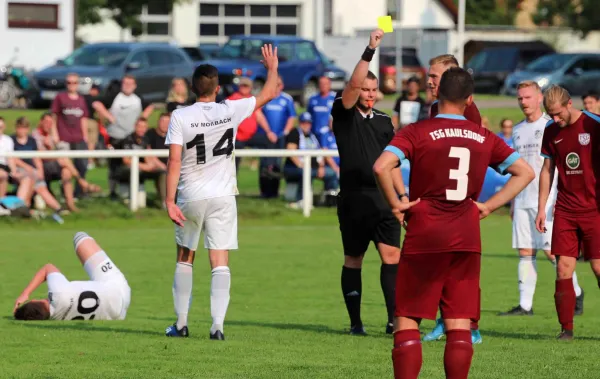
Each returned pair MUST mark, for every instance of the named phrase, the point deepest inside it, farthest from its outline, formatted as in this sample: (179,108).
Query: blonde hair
(556,94)
(529,83)
(447,60)
(173,96)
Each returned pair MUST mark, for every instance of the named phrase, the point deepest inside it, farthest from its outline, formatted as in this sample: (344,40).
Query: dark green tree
(581,15)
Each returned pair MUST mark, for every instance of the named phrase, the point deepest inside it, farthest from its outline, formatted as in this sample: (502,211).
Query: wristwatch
(400,196)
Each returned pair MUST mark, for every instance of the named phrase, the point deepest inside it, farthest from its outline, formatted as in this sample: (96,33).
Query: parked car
(492,65)
(300,65)
(210,50)
(578,73)
(154,65)
(194,53)
(411,66)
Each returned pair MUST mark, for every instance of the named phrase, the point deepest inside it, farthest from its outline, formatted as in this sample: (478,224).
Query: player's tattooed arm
(546,178)
(38,279)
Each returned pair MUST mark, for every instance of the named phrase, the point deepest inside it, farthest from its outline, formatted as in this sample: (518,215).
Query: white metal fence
(135,156)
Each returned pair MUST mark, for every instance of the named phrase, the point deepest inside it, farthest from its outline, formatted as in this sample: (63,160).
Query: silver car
(578,73)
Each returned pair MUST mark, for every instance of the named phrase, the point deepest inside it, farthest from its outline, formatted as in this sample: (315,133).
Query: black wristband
(368,54)
(400,196)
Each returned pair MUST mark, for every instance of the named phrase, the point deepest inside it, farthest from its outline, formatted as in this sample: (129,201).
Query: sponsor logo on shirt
(77,112)
(456,132)
(573,162)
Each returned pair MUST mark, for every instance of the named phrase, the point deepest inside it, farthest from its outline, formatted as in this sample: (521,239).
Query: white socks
(182,292)
(219,296)
(575,283)
(527,281)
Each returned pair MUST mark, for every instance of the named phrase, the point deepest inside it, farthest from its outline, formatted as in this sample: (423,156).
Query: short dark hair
(503,121)
(22,121)
(164,114)
(32,311)
(141,119)
(593,94)
(371,75)
(456,85)
(205,80)
(413,79)
(44,115)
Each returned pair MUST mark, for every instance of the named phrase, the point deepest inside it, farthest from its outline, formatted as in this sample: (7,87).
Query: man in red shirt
(70,112)
(437,67)
(449,157)
(246,135)
(570,144)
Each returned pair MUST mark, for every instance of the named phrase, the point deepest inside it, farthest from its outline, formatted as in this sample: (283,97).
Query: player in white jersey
(106,296)
(201,169)
(527,140)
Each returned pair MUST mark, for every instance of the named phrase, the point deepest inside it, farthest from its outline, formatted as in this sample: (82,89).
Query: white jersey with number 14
(207,131)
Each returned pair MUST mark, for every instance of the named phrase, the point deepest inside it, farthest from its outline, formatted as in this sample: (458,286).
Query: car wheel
(310,88)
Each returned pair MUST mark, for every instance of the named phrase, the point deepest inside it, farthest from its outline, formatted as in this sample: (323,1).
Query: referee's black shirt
(360,142)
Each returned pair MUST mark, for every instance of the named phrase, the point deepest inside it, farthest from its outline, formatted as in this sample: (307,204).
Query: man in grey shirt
(121,108)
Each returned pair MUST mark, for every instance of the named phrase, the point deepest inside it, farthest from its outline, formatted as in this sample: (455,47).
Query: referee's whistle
(370,103)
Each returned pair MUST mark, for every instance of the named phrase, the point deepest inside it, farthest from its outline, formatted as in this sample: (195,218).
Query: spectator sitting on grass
(150,167)
(8,169)
(301,138)
(179,95)
(61,169)
(33,167)
(156,138)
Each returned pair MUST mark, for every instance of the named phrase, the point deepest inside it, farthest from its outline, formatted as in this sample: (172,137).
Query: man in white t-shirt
(527,140)
(8,169)
(106,296)
(201,169)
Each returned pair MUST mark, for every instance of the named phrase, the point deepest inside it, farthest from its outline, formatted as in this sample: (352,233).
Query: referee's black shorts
(364,216)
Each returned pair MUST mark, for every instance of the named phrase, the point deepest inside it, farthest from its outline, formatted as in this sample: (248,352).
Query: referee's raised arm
(352,90)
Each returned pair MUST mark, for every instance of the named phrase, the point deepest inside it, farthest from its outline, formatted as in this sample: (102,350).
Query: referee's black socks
(352,290)
(387,277)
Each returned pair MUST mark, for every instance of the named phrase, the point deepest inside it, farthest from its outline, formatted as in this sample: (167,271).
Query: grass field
(286,318)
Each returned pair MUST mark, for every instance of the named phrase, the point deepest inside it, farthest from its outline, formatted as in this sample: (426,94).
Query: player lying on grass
(441,255)
(105,297)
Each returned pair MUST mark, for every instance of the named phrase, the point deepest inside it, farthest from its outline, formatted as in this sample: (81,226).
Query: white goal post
(135,155)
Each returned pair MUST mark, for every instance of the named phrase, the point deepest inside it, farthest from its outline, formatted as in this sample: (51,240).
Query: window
(285,51)
(95,55)
(209,29)
(305,52)
(158,8)
(178,59)
(233,29)
(260,29)
(33,16)
(591,64)
(286,10)
(234,10)
(157,28)
(286,30)
(158,58)
(260,10)
(140,57)
(209,9)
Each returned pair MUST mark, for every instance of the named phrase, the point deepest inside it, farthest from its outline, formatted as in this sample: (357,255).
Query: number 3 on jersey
(460,175)
(223,147)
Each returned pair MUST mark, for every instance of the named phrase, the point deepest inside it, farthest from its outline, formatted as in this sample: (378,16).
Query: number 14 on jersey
(223,147)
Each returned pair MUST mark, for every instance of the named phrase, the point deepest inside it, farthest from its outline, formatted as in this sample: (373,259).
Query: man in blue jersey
(319,107)
(280,114)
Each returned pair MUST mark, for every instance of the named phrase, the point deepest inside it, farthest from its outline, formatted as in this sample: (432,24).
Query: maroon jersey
(575,152)
(449,157)
(69,113)
(471,112)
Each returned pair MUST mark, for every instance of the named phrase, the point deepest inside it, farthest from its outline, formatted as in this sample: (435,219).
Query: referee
(362,133)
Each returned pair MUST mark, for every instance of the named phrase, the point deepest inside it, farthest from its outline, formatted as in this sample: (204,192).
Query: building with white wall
(35,33)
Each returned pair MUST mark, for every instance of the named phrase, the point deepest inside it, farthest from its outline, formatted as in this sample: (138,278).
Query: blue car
(300,65)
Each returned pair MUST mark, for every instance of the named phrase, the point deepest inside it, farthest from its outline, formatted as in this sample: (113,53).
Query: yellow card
(385,23)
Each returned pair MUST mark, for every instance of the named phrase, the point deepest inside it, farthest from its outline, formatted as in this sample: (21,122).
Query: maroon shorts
(449,281)
(570,233)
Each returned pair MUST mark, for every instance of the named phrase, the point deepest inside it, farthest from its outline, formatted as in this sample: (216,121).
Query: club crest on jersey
(573,160)
(584,138)
(538,134)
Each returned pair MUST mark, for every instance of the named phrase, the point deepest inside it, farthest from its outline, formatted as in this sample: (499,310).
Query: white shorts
(106,272)
(215,217)
(525,235)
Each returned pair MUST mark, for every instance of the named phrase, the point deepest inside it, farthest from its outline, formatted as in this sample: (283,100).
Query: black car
(493,64)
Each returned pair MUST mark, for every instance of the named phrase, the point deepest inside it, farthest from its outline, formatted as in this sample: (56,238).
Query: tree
(123,12)
(490,12)
(581,15)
